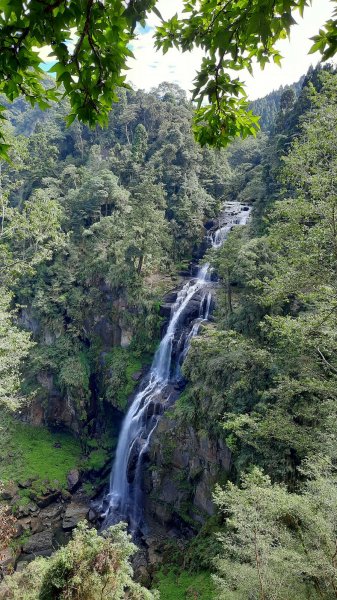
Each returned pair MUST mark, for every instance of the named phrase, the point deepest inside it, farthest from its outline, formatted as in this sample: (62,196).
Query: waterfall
(124,500)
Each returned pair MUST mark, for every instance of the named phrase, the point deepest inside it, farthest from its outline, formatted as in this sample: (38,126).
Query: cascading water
(124,500)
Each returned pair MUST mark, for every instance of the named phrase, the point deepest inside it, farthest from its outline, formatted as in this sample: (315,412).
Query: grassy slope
(34,452)
(184,586)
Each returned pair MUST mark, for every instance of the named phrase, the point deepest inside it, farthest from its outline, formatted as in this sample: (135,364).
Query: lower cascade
(156,391)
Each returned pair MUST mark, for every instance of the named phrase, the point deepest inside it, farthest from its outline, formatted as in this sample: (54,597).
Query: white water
(124,500)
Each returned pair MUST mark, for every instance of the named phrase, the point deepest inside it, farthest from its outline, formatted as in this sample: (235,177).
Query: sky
(150,68)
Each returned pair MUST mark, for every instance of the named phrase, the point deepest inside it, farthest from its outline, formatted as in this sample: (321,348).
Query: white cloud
(151,68)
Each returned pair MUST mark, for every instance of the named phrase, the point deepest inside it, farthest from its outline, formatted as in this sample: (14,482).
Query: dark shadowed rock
(210,224)
(165,310)
(39,544)
(92,515)
(47,499)
(74,514)
(137,375)
(171,297)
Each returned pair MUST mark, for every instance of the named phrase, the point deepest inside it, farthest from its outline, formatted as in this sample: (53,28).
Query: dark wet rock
(47,499)
(133,458)
(185,465)
(109,334)
(92,515)
(137,375)
(191,311)
(52,512)
(39,544)
(165,310)
(210,224)
(74,514)
(171,297)
(169,491)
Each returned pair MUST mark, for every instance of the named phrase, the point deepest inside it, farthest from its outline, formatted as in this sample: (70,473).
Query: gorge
(124,500)
(168,353)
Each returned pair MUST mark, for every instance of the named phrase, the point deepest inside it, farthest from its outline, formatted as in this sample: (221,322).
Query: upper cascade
(124,500)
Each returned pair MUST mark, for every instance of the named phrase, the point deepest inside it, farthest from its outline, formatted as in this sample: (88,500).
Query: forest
(99,227)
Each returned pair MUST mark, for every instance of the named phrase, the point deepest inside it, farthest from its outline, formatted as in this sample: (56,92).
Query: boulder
(73,515)
(36,525)
(52,512)
(26,484)
(39,544)
(73,479)
(171,297)
(9,491)
(165,310)
(25,523)
(25,510)
(92,515)
(47,499)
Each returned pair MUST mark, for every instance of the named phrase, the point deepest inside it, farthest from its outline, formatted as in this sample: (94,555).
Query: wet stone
(74,514)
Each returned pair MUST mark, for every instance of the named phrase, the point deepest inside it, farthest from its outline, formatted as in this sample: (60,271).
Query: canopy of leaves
(267,367)
(279,545)
(91,224)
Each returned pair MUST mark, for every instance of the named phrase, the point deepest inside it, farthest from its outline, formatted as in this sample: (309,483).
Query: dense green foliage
(175,585)
(90,42)
(278,544)
(90,567)
(92,222)
(269,106)
(264,374)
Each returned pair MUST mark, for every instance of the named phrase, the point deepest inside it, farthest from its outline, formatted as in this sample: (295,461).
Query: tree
(90,567)
(279,545)
(287,99)
(232,35)
(139,146)
(14,347)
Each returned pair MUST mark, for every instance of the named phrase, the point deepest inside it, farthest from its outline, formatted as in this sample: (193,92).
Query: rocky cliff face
(184,465)
(104,326)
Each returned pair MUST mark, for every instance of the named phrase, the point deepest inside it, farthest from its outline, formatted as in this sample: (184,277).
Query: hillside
(167,353)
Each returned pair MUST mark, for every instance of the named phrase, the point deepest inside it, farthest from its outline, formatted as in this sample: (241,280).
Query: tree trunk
(140,264)
(229,294)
